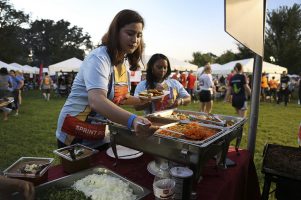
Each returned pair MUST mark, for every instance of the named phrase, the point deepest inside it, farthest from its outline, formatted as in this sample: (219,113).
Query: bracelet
(131,120)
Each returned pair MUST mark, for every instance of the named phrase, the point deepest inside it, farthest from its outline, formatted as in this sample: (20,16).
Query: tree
(283,37)
(243,52)
(226,57)
(53,42)
(11,33)
(200,59)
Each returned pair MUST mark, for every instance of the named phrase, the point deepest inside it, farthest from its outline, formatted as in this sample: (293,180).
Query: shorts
(239,102)
(47,91)
(205,96)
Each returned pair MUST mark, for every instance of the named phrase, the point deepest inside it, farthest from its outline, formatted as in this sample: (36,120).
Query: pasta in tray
(191,130)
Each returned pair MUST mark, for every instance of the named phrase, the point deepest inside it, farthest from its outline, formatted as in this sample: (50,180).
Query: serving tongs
(112,138)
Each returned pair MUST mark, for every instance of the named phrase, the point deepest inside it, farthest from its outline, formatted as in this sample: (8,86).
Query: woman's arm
(9,186)
(99,103)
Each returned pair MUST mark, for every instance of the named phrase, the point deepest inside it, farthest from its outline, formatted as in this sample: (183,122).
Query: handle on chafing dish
(104,121)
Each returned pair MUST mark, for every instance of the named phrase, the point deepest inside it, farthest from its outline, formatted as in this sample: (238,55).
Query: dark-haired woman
(102,84)
(5,83)
(157,73)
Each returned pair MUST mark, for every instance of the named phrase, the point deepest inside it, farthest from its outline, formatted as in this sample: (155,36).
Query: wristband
(131,120)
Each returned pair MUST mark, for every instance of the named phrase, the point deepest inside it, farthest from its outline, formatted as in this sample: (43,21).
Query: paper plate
(152,168)
(156,97)
(124,152)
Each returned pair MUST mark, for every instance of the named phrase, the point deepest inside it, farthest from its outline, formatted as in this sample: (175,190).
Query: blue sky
(176,28)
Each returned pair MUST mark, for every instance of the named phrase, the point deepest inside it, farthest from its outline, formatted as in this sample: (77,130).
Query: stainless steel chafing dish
(192,154)
(177,150)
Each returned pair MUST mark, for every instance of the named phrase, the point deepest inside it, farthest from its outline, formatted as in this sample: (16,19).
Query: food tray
(80,162)
(68,181)
(13,170)
(235,121)
(191,115)
(64,153)
(203,143)
(159,121)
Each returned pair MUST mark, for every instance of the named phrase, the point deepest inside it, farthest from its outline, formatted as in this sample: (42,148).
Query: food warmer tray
(236,126)
(195,156)
(68,181)
(200,143)
(165,113)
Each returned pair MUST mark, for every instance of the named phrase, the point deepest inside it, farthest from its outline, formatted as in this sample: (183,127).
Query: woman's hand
(142,127)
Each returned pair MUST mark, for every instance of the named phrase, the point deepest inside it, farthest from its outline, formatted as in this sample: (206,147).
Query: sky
(176,28)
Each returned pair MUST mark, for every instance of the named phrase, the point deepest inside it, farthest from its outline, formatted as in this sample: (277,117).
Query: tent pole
(254,113)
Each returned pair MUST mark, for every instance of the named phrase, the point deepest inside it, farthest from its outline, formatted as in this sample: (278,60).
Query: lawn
(32,133)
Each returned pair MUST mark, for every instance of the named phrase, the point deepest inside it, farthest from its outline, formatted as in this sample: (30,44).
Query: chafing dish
(187,152)
(177,150)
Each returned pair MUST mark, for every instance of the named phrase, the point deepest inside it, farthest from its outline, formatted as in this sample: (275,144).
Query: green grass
(32,133)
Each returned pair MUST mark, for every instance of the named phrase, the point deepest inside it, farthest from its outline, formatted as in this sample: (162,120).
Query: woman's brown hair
(111,38)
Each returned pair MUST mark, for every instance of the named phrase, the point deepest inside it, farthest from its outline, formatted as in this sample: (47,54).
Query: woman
(207,89)
(239,88)
(101,85)
(4,90)
(157,73)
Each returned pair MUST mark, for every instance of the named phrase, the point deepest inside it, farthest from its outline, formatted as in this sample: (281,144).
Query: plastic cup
(164,188)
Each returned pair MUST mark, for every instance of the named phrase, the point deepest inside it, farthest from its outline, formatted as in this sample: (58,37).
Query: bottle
(163,185)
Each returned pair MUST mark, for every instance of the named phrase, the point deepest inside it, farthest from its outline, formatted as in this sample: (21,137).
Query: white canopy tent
(214,66)
(72,64)
(175,64)
(7,66)
(17,67)
(248,67)
(29,69)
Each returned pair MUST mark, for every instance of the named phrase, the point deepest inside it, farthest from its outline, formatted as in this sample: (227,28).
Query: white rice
(104,187)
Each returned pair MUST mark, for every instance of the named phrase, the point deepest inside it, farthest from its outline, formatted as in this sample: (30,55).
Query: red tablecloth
(235,183)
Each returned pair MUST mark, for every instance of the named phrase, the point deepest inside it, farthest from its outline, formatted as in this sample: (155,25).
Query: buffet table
(235,183)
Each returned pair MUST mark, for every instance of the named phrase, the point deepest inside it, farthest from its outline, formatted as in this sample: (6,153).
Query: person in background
(102,84)
(17,84)
(222,80)
(228,95)
(4,90)
(299,90)
(191,79)
(283,88)
(8,186)
(207,89)
(157,73)
(20,76)
(264,86)
(183,79)
(46,86)
(273,84)
(239,88)
(176,75)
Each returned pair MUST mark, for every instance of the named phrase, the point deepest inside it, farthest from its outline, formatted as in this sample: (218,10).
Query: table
(235,183)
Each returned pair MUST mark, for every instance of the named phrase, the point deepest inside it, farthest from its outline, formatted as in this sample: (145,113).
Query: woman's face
(130,37)
(160,69)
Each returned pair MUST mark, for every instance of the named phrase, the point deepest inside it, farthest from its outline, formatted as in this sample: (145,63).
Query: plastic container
(163,184)
(183,180)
